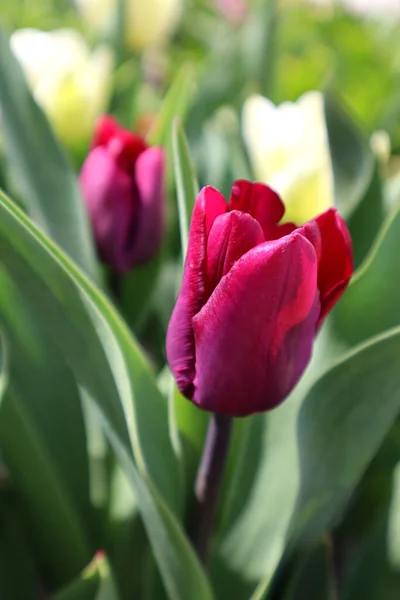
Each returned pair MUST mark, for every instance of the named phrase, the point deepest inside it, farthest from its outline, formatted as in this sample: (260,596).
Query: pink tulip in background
(253,296)
(233,10)
(122,182)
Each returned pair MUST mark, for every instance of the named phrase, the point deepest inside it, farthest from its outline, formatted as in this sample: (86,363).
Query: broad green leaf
(276,500)
(187,187)
(366,219)
(351,157)
(189,426)
(18,579)
(182,574)
(46,182)
(108,363)
(175,104)
(371,304)
(96,344)
(127,544)
(43,442)
(335,438)
(314,577)
(261,590)
(371,575)
(137,290)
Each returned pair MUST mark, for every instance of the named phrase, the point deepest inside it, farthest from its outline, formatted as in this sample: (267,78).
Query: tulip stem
(208,482)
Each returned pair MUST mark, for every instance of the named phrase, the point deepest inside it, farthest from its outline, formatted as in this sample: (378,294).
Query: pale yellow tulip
(288,148)
(147,23)
(71,83)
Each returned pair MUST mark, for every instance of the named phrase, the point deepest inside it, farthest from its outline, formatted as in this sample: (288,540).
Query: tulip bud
(288,147)
(147,22)
(122,182)
(254,293)
(69,82)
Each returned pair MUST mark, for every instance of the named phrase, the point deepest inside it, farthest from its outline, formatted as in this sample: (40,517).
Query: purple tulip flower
(122,182)
(253,296)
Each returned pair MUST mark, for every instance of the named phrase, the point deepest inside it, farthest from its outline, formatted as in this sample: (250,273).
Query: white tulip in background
(288,149)
(147,23)
(71,83)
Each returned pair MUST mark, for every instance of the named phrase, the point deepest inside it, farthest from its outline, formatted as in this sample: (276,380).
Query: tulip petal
(232,235)
(106,128)
(336,263)
(254,335)
(149,227)
(312,232)
(262,203)
(180,337)
(109,196)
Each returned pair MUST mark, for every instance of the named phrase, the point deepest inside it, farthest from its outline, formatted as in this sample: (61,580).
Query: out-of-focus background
(351,45)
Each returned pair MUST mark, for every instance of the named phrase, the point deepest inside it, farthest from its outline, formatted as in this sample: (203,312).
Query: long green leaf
(371,304)
(108,363)
(175,104)
(351,157)
(46,182)
(43,442)
(314,576)
(187,187)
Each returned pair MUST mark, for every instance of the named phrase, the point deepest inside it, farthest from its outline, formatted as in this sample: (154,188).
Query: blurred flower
(69,82)
(233,10)
(380,145)
(288,147)
(252,298)
(147,22)
(122,182)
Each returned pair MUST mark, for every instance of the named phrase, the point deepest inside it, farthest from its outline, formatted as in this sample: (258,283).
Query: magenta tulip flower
(122,182)
(253,296)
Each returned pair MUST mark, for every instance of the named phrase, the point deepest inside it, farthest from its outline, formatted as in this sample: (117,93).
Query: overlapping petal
(180,337)
(232,235)
(336,263)
(259,321)
(149,226)
(108,193)
(261,202)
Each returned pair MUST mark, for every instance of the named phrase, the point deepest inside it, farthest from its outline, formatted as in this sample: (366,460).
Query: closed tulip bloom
(288,148)
(253,295)
(122,182)
(71,83)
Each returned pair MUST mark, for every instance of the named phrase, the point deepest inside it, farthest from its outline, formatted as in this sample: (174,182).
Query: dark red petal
(254,335)
(311,231)
(109,195)
(180,338)
(149,177)
(262,203)
(128,147)
(231,236)
(336,262)
(106,128)
(124,145)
